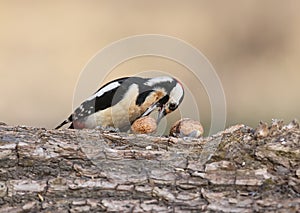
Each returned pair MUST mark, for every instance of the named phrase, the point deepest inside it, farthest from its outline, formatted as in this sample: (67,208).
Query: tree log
(237,170)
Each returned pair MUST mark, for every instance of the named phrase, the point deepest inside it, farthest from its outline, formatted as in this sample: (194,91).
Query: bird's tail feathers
(65,122)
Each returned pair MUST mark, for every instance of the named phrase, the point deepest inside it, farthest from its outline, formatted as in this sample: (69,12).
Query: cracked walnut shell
(187,127)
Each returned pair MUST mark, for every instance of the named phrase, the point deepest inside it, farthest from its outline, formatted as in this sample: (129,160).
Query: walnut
(187,127)
(144,125)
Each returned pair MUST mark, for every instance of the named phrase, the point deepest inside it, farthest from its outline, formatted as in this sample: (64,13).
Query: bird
(120,102)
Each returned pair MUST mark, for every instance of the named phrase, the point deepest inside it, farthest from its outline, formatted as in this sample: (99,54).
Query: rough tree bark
(237,170)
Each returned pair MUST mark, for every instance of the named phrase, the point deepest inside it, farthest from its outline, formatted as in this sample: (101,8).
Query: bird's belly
(118,117)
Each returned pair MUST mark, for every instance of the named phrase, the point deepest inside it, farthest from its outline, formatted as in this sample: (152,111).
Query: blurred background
(253,45)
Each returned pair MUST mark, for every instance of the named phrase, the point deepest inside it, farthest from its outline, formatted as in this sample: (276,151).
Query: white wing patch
(105,89)
(153,81)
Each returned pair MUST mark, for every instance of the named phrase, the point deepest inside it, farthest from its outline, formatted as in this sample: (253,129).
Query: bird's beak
(150,109)
(161,111)
(161,114)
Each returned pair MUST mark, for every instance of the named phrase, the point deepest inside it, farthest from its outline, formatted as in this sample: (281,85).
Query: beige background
(253,45)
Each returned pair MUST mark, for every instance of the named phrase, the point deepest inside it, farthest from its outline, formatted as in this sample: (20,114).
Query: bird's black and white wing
(105,97)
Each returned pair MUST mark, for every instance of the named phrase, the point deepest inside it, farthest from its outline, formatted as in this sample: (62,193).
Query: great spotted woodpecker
(120,102)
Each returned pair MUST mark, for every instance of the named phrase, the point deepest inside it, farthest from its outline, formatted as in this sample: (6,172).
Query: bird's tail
(65,122)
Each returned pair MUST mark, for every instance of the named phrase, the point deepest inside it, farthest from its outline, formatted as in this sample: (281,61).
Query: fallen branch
(237,170)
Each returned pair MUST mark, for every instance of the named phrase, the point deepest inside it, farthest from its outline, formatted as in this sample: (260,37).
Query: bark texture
(238,170)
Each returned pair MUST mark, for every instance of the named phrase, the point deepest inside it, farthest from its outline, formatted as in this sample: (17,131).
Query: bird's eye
(172,106)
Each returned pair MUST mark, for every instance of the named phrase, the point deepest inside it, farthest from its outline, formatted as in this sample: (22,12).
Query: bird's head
(173,94)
